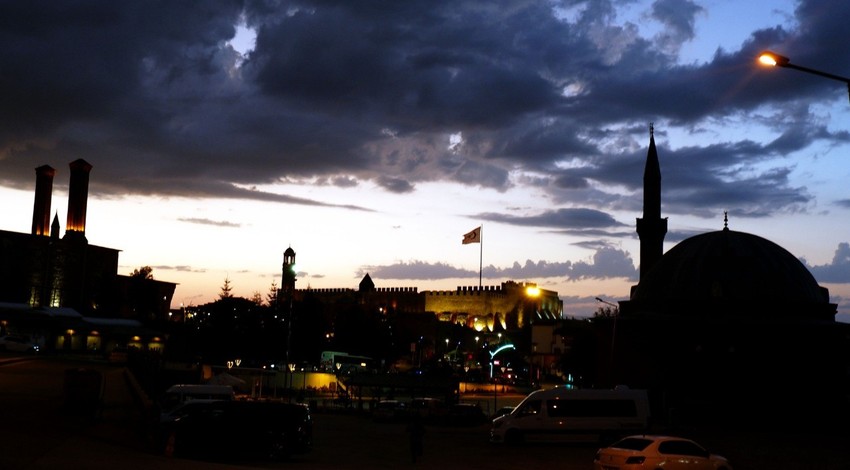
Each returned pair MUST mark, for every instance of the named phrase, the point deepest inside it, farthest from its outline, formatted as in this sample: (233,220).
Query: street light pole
(775,60)
(616,313)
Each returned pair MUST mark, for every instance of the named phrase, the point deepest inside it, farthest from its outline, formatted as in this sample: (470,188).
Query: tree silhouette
(145,272)
(226,290)
(606,312)
(271,297)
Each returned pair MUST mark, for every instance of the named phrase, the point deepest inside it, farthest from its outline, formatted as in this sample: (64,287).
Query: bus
(345,363)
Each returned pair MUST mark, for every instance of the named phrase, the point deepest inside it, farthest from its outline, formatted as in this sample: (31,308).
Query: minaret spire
(651,228)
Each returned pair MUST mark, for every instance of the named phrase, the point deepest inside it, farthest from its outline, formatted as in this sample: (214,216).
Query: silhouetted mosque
(726,326)
(66,291)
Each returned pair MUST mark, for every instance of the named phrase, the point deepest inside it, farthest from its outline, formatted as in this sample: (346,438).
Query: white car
(657,452)
(17,344)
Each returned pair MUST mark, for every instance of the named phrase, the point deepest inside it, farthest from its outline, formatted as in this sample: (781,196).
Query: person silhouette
(416,433)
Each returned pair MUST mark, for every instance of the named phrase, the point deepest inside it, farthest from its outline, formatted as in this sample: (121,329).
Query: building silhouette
(68,291)
(726,326)
(413,326)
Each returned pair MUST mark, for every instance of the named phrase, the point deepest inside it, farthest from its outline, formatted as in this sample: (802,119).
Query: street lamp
(775,60)
(616,313)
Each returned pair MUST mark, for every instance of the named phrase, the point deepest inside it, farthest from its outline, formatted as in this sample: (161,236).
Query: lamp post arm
(817,72)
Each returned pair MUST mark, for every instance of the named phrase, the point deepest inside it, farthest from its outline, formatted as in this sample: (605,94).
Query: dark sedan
(239,429)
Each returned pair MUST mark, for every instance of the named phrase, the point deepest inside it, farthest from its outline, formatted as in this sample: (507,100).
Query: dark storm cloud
(701,181)
(394,185)
(560,218)
(345,92)
(678,17)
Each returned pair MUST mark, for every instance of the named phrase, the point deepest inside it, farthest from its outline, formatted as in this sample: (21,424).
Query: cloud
(395,185)
(606,263)
(418,270)
(836,272)
(182,268)
(678,18)
(157,99)
(209,222)
(578,218)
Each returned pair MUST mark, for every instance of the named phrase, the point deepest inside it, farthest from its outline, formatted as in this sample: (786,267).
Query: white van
(562,414)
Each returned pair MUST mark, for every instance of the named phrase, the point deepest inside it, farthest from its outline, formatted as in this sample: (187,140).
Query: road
(37,433)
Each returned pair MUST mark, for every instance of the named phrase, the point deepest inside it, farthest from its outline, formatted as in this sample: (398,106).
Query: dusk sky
(370,136)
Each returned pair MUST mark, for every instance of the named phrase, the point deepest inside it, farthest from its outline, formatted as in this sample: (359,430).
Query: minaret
(651,228)
(78,193)
(43,194)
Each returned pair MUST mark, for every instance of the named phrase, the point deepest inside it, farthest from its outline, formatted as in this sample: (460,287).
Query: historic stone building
(509,306)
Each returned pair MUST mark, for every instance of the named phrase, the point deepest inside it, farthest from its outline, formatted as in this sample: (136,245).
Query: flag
(473,236)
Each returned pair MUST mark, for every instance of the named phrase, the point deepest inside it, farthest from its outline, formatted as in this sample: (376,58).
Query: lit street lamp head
(773,59)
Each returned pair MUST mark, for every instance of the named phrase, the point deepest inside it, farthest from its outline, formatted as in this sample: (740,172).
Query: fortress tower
(287,281)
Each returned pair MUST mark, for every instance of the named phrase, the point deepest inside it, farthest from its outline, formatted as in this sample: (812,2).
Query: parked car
(653,452)
(388,411)
(18,344)
(223,429)
(183,409)
(431,410)
(465,414)
(178,394)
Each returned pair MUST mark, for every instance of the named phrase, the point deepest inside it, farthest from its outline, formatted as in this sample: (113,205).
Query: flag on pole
(473,236)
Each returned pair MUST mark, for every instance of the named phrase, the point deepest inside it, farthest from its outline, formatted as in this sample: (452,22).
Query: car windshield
(632,443)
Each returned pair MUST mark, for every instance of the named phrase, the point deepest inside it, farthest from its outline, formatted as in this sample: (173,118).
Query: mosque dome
(730,273)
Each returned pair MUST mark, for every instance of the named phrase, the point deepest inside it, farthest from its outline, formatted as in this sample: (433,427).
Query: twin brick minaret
(651,228)
(43,194)
(78,193)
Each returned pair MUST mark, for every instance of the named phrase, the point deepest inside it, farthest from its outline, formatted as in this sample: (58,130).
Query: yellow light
(532,291)
(773,59)
(767,59)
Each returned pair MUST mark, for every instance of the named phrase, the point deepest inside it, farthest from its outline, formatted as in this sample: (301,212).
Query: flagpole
(480,255)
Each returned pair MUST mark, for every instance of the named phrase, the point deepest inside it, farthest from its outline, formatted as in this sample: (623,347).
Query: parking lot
(37,435)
